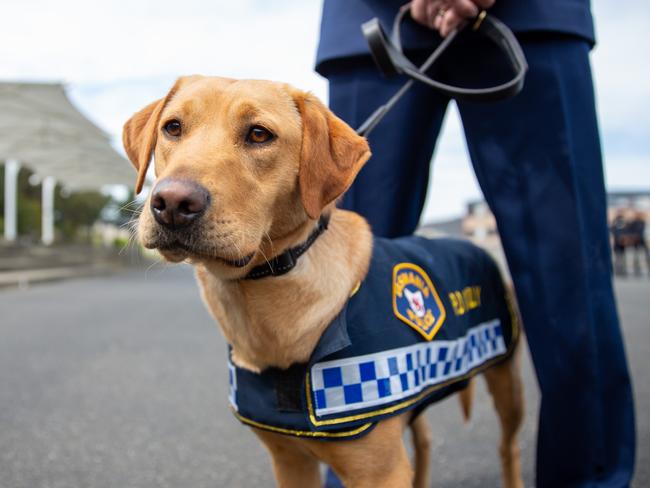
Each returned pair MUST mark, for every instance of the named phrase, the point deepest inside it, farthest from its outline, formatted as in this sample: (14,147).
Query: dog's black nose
(178,203)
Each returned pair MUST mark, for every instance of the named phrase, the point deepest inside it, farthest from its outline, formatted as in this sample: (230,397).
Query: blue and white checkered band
(356,383)
(232,385)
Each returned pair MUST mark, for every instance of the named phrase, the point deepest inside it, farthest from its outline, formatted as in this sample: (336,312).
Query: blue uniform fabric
(428,315)
(538,161)
(341,36)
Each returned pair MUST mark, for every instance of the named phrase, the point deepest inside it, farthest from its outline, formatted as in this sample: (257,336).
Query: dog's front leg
(378,460)
(294,467)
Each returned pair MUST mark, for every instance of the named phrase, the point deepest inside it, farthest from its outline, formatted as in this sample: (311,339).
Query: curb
(24,278)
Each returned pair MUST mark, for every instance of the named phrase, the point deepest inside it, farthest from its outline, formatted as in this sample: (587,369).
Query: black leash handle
(391,61)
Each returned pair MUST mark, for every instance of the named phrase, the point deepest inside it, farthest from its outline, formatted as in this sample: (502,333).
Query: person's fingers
(464,8)
(437,21)
(419,11)
(435,12)
(449,22)
(483,4)
(446,15)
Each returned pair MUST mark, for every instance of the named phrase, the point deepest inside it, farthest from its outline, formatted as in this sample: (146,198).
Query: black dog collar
(285,262)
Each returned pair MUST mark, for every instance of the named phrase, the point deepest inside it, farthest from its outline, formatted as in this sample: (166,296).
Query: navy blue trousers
(538,161)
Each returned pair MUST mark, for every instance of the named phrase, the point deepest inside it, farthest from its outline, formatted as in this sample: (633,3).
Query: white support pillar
(12,167)
(47,229)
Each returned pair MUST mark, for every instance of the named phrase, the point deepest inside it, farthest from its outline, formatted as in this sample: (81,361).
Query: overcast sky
(116,56)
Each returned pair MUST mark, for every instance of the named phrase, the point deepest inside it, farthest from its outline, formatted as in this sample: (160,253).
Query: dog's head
(237,164)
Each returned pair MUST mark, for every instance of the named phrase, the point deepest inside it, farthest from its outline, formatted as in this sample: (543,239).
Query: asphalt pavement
(121,381)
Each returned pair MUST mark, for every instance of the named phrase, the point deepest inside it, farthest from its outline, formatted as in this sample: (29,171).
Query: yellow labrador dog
(244,170)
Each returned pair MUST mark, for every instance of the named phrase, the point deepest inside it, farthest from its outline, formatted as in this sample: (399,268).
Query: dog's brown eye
(258,134)
(173,128)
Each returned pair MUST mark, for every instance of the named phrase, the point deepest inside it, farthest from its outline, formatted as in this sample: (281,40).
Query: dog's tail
(466,397)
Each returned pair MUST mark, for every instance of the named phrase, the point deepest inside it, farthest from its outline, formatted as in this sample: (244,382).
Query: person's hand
(446,15)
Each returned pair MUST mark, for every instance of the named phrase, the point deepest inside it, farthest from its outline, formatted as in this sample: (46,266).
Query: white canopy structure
(42,130)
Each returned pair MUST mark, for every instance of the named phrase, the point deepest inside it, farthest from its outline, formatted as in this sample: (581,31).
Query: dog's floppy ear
(140,133)
(331,156)
(139,139)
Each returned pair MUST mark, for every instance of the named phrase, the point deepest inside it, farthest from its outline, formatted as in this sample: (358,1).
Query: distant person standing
(537,159)
(620,230)
(638,242)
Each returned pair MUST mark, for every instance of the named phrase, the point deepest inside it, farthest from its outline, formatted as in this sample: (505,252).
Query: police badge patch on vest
(415,300)
(429,315)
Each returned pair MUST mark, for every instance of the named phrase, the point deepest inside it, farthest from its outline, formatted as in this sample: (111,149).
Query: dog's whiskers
(160,261)
(131,226)
(130,205)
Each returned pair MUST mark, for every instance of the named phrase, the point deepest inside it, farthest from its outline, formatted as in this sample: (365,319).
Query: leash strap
(285,262)
(391,61)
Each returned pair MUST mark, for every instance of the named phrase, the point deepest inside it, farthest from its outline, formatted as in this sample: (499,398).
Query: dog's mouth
(179,248)
(197,244)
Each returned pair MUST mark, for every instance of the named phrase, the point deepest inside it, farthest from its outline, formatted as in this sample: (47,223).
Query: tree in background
(77,212)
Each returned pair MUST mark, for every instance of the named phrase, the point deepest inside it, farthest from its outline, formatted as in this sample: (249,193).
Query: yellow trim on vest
(301,433)
(428,391)
(355,289)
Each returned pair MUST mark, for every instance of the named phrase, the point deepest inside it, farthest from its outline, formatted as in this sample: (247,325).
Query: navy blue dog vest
(429,315)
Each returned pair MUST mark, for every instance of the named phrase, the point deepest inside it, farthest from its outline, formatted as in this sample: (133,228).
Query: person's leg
(636,263)
(537,158)
(619,260)
(391,188)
